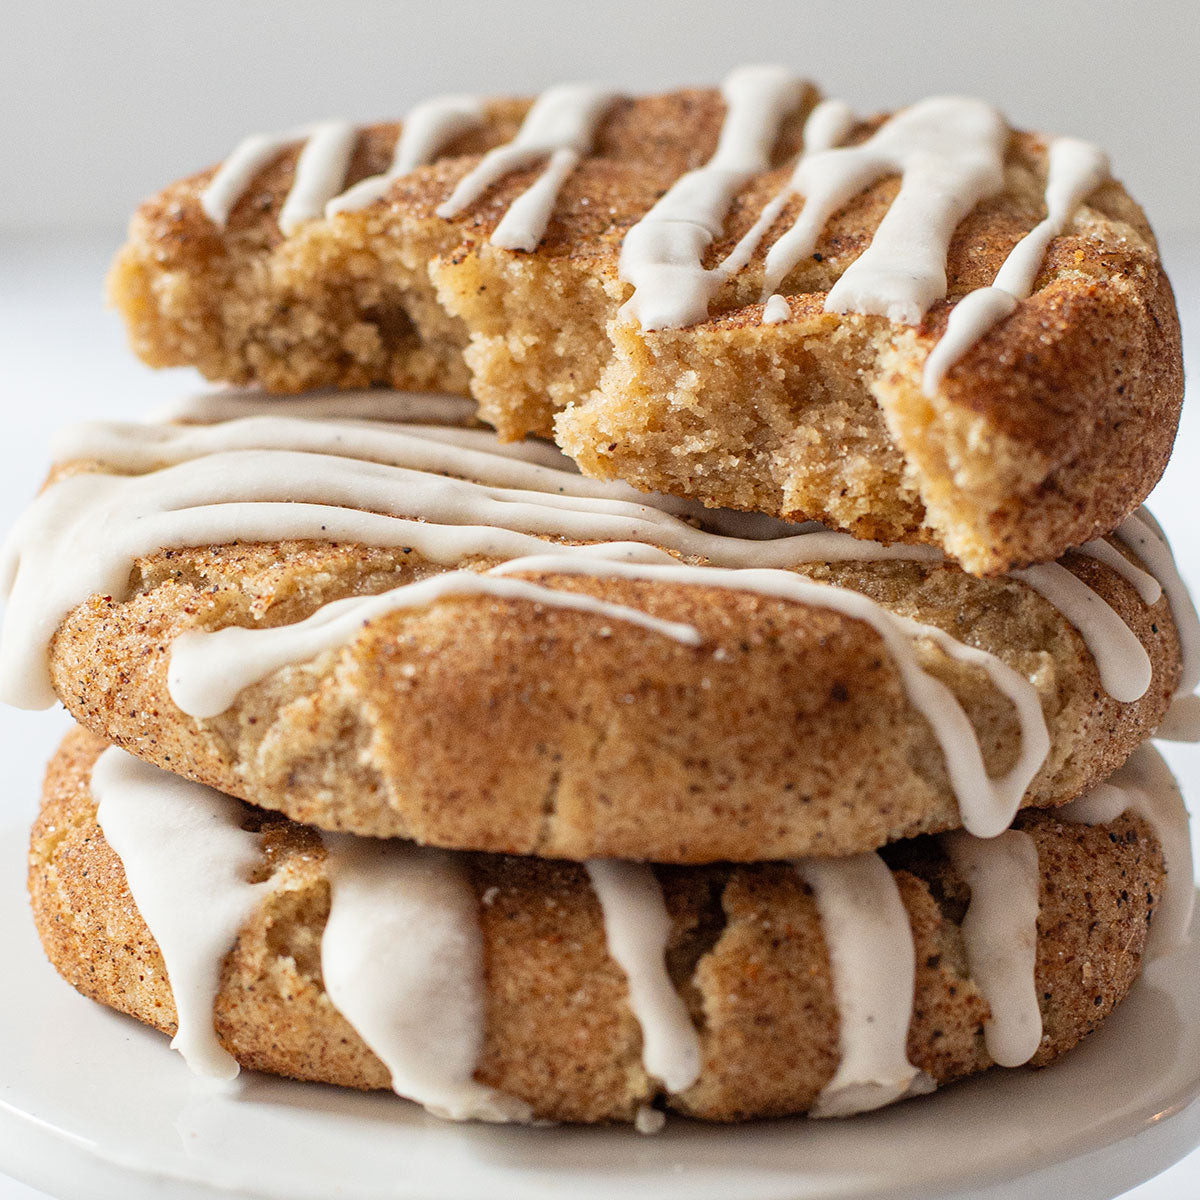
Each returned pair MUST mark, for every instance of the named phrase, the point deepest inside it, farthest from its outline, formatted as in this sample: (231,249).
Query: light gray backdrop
(100,103)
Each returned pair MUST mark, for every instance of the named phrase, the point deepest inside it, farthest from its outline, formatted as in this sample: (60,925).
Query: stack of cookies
(783,749)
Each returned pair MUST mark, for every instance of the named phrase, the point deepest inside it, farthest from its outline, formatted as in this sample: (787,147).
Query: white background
(103,103)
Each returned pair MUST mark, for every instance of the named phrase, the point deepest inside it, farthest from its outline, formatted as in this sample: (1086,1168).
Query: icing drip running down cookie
(924,327)
(476,522)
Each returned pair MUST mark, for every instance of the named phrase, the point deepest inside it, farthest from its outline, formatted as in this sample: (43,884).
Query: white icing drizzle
(430,449)
(402,961)
(827,126)
(949,152)
(413,412)
(872,960)
(426,131)
(986,805)
(1006,792)
(270,478)
(1147,587)
(662,254)
(526,486)
(208,670)
(1076,170)
(1144,536)
(776,310)
(637,928)
(1144,785)
(368,404)
(237,172)
(401,953)
(188,863)
(560,128)
(429,127)
(325,158)
(1000,936)
(1124,666)
(408,408)
(524,223)
(1182,722)
(320,173)
(649,1120)
(83,534)
(402,956)
(202,689)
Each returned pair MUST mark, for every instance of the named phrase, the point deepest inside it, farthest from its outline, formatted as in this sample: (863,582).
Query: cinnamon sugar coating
(746,951)
(1049,432)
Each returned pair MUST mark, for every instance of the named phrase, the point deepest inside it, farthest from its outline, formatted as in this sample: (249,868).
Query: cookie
(759,960)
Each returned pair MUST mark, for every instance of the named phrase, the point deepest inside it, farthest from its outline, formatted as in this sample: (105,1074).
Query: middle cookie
(407,629)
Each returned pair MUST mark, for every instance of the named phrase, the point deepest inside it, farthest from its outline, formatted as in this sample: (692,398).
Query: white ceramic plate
(95,1107)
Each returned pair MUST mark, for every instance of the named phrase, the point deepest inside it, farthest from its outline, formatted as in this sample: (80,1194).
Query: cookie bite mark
(246,302)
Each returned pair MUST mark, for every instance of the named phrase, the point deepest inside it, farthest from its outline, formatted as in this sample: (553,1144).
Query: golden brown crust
(492,724)
(746,951)
(1046,434)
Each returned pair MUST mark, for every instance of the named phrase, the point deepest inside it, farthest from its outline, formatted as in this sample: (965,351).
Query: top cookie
(606,259)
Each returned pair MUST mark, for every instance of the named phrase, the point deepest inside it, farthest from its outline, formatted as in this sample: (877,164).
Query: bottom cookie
(511,988)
